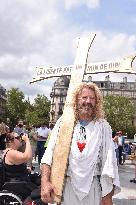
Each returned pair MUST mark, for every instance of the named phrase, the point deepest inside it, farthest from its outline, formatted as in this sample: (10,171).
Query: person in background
(33,141)
(15,159)
(42,136)
(92,173)
(15,162)
(127,149)
(121,142)
(50,129)
(19,129)
(115,140)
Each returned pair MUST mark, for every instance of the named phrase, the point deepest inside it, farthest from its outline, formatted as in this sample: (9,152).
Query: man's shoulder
(104,124)
(103,121)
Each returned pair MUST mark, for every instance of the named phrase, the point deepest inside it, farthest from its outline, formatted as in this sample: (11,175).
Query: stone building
(2,101)
(58,97)
(59,92)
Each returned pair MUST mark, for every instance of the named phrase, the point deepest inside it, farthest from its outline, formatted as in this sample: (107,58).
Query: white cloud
(75,3)
(37,33)
(110,46)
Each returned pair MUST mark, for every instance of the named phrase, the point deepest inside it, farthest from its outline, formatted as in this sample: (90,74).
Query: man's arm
(47,189)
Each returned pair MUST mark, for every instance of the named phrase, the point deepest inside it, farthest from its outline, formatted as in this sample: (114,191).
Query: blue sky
(114,16)
(43,32)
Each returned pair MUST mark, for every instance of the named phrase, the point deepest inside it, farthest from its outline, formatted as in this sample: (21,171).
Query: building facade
(58,97)
(2,101)
(59,92)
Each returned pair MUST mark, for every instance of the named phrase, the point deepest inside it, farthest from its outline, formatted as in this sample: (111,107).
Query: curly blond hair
(99,112)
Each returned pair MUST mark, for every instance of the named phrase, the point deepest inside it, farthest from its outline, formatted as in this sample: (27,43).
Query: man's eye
(84,98)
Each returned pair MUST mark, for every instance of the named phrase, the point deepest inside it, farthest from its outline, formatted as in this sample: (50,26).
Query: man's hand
(47,192)
(107,200)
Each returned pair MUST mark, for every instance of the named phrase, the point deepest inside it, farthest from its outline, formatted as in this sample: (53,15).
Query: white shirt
(82,165)
(44,132)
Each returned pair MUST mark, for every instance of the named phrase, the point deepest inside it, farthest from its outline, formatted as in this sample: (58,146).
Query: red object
(81,146)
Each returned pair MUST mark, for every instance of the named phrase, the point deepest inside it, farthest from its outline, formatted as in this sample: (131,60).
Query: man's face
(86,103)
(20,124)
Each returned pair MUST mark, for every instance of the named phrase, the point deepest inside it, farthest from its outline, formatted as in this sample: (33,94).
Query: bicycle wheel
(7,198)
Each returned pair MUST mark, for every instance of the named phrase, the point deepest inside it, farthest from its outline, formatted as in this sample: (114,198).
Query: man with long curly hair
(92,173)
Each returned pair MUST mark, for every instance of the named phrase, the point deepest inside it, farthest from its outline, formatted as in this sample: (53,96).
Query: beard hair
(85,106)
(87,110)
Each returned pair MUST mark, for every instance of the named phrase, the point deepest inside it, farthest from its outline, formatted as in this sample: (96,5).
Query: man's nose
(88,99)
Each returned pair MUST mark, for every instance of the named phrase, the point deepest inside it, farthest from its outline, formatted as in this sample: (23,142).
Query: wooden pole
(62,148)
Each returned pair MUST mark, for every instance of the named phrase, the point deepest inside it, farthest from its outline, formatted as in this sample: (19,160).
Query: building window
(102,85)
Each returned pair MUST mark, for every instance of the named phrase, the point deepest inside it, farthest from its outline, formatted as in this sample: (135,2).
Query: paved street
(127,196)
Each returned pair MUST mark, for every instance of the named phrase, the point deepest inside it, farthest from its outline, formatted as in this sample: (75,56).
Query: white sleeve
(109,172)
(48,155)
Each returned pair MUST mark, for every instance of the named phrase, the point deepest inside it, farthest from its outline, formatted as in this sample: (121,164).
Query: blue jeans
(40,150)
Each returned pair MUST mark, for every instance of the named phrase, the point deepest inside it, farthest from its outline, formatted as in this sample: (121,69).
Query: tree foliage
(15,104)
(39,111)
(119,112)
(19,108)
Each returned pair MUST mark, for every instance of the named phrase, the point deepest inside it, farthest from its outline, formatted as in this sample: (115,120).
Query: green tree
(119,112)
(39,111)
(31,117)
(16,105)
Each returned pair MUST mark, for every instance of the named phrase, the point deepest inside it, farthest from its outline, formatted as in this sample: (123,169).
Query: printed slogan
(123,65)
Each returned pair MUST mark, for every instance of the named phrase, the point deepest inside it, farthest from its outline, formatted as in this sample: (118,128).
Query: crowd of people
(19,146)
(38,135)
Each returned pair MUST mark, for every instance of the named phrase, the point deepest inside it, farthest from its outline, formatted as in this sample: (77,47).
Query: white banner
(122,66)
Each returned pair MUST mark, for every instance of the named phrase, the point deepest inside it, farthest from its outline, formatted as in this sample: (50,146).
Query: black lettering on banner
(92,68)
(60,69)
(78,67)
(48,71)
(69,68)
(43,71)
(53,70)
(101,67)
(105,66)
(66,69)
(117,65)
(88,68)
(39,72)
(57,70)
(96,67)
(110,65)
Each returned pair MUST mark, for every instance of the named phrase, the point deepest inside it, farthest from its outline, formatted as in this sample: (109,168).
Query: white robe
(97,158)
